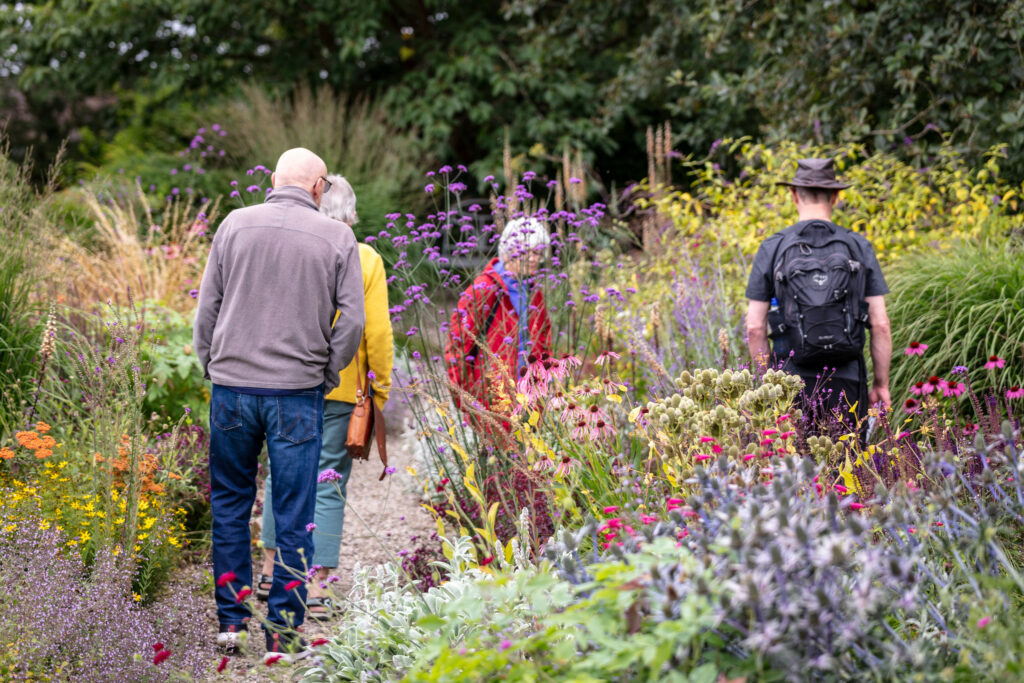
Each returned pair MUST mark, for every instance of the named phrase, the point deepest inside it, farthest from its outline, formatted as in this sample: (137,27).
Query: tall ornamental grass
(354,137)
(967,305)
(156,252)
(20,328)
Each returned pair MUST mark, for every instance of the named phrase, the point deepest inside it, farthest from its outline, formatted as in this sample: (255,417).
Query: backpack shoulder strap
(487,326)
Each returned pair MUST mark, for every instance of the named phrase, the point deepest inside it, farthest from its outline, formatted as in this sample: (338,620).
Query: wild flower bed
(636,505)
(680,521)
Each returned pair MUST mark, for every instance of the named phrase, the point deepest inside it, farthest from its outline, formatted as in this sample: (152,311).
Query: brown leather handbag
(365,419)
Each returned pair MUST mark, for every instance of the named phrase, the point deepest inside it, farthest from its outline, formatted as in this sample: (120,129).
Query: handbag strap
(381,429)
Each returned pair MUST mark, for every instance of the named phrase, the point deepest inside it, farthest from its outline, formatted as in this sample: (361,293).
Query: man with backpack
(814,289)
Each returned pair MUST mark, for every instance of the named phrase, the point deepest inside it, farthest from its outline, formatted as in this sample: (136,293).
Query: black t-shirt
(761,285)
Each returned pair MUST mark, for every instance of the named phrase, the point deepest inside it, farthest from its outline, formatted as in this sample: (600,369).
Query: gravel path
(391,514)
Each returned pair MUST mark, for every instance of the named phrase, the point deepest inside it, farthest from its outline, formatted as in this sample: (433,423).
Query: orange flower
(27,439)
(97,457)
(42,427)
(43,453)
(48,442)
(6,453)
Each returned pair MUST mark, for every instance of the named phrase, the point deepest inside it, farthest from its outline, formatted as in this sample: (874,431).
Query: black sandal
(262,593)
(326,611)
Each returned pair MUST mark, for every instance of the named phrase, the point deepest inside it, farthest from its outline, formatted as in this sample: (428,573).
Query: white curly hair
(521,235)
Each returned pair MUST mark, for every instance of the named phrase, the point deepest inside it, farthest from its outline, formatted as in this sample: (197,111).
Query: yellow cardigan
(377,348)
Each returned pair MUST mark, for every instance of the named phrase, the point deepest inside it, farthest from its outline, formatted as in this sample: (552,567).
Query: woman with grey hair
(340,202)
(374,359)
(501,323)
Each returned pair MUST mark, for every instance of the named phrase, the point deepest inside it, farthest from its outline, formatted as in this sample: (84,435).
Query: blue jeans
(330,495)
(293,428)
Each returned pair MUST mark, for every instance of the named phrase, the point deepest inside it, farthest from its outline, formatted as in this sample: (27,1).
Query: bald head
(301,168)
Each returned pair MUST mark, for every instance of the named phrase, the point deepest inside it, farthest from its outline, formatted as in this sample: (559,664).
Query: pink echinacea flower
(995,362)
(916,349)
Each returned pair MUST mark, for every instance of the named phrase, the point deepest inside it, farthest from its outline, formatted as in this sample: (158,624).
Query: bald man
(276,274)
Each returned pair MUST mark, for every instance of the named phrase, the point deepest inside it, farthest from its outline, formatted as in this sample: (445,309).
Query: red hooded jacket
(468,366)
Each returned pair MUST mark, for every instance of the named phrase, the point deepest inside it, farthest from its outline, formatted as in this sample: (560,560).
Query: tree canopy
(586,72)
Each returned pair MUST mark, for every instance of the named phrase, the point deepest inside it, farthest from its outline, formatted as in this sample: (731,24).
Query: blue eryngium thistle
(802,582)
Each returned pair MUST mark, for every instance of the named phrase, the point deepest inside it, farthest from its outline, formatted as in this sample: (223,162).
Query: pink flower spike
(916,349)
(842,489)
(716,449)
(292,585)
(749,456)
(983,622)
(769,432)
(1015,392)
(995,362)
(707,439)
(701,457)
(648,519)
(611,509)
(857,506)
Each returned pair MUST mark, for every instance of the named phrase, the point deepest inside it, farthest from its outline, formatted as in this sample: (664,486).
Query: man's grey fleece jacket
(276,274)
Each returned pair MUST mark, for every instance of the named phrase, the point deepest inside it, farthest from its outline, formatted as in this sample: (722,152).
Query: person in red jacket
(503,311)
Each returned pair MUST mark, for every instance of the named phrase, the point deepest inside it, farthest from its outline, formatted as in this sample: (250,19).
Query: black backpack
(820,285)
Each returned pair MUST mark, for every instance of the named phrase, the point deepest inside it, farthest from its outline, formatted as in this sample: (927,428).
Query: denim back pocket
(297,416)
(226,409)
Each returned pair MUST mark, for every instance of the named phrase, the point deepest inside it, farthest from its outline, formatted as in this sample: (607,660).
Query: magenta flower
(243,594)
(934,383)
(911,406)
(292,585)
(916,349)
(505,644)
(917,389)
(610,509)
(161,656)
(328,475)
(1015,392)
(226,578)
(983,622)
(995,362)
(311,526)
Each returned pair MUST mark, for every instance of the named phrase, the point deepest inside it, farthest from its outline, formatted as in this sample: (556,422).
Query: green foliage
(593,632)
(521,625)
(966,304)
(174,377)
(886,74)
